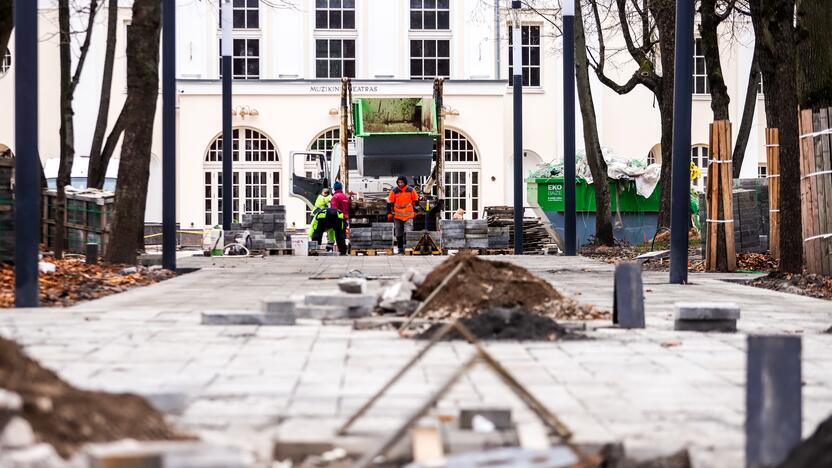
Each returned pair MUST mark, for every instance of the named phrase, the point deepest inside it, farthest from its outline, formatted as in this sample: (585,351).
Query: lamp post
(169,135)
(227,137)
(680,180)
(27,160)
(517,83)
(570,217)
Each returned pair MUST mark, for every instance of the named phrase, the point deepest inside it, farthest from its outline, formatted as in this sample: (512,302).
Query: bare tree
(648,29)
(69,82)
(594,156)
(98,159)
(6,23)
(775,35)
(139,111)
(748,110)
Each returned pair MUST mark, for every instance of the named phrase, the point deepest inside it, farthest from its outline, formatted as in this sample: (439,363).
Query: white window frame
(245,58)
(422,7)
(340,10)
(699,155)
(527,52)
(251,142)
(700,69)
(5,62)
(329,59)
(762,170)
(435,59)
(244,9)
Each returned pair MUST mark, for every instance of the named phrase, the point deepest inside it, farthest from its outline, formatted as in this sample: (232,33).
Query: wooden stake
(773,163)
(721,254)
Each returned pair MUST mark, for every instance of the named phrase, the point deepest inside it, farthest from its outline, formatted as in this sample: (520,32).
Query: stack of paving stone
(377,236)
(476,234)
(749,224)
(707,316)
(453,233)
(6,210)
(268,229)
(499,237)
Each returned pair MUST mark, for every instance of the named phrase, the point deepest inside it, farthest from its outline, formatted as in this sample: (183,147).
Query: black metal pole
(680,182)
(169,135)
(27,161)
(570,217)
(227,137)
(518,138)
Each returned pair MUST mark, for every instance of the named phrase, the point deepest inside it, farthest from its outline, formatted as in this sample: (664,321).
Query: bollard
(92,253)
(773,400)
(628,296)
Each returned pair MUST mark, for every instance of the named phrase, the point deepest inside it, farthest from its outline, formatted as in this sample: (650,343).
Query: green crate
(394,116)
(549,195)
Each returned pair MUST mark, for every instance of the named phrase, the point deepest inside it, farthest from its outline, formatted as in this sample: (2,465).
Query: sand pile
(66,417)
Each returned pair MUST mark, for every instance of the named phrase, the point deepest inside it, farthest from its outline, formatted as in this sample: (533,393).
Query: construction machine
(393,137)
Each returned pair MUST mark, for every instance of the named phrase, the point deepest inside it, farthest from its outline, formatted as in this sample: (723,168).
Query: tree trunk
(97,166)
(139,110)
(6,23)
(710,47)
(67,132)
(774,32)
(594,156)
(748,111)
(664,12)
(814,54)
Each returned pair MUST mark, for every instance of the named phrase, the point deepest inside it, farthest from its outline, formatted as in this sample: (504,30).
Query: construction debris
(66,417)
(73,281)
(536,239)
(507,324)
(482,285)
(805,284)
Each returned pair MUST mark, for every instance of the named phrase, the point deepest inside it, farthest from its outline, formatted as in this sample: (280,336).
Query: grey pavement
(656,389)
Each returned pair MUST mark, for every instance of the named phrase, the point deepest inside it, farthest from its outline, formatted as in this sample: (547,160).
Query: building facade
(288,58)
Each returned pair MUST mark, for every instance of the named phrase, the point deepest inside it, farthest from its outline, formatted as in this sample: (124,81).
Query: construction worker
(323,199)
(331,221)
(340,200)
(402,203)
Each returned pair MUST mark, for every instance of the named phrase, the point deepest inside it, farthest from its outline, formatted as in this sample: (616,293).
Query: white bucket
(300,245)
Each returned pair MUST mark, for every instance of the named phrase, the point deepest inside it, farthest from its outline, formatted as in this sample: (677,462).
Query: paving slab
(655,389)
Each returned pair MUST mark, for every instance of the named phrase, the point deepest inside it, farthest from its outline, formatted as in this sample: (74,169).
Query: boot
(400,244)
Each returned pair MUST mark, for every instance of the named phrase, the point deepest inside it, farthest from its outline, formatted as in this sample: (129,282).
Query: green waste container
(623,196)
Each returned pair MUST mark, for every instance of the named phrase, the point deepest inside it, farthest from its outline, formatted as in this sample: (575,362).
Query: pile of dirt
(74,281)
(816,451)
(482,285)
(67,417)
(805,284)
(507,324)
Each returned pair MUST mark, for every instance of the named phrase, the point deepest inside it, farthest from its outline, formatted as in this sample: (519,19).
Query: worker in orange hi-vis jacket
(402,203)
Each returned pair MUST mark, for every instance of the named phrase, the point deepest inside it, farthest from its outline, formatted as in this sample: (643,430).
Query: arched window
(5,62)
(654,156)
(462,176)
(326,140)
(255,176)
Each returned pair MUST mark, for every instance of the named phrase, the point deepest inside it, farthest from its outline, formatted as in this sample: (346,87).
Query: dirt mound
(482,285)
(67,417)
(805,284)
(507,324)
(816,451)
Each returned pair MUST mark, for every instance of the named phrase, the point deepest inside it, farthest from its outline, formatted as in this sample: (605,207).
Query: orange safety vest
(402,201)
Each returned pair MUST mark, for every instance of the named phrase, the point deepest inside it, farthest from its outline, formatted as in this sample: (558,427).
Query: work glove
(389,217)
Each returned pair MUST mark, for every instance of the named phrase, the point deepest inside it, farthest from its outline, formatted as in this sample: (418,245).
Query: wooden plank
(813,190)
(824,159)
(808,200)
(772,163)
(712,208)
(728,206)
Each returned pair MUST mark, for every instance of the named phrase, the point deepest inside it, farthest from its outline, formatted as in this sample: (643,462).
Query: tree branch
(85,47)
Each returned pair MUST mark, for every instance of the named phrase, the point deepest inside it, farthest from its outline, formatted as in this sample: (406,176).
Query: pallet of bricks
(816,188)
(87,219)
(267,230)
(378,238)
(474,234)
(6,211)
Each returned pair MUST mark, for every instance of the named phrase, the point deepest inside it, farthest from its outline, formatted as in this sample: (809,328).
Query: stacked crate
(6,210)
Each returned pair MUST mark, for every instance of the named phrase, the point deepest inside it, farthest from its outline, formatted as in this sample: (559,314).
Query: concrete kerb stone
(707,311)
(724,326)
(133,454)
(246,317)
(341,300)
(353,285)
(278,306)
